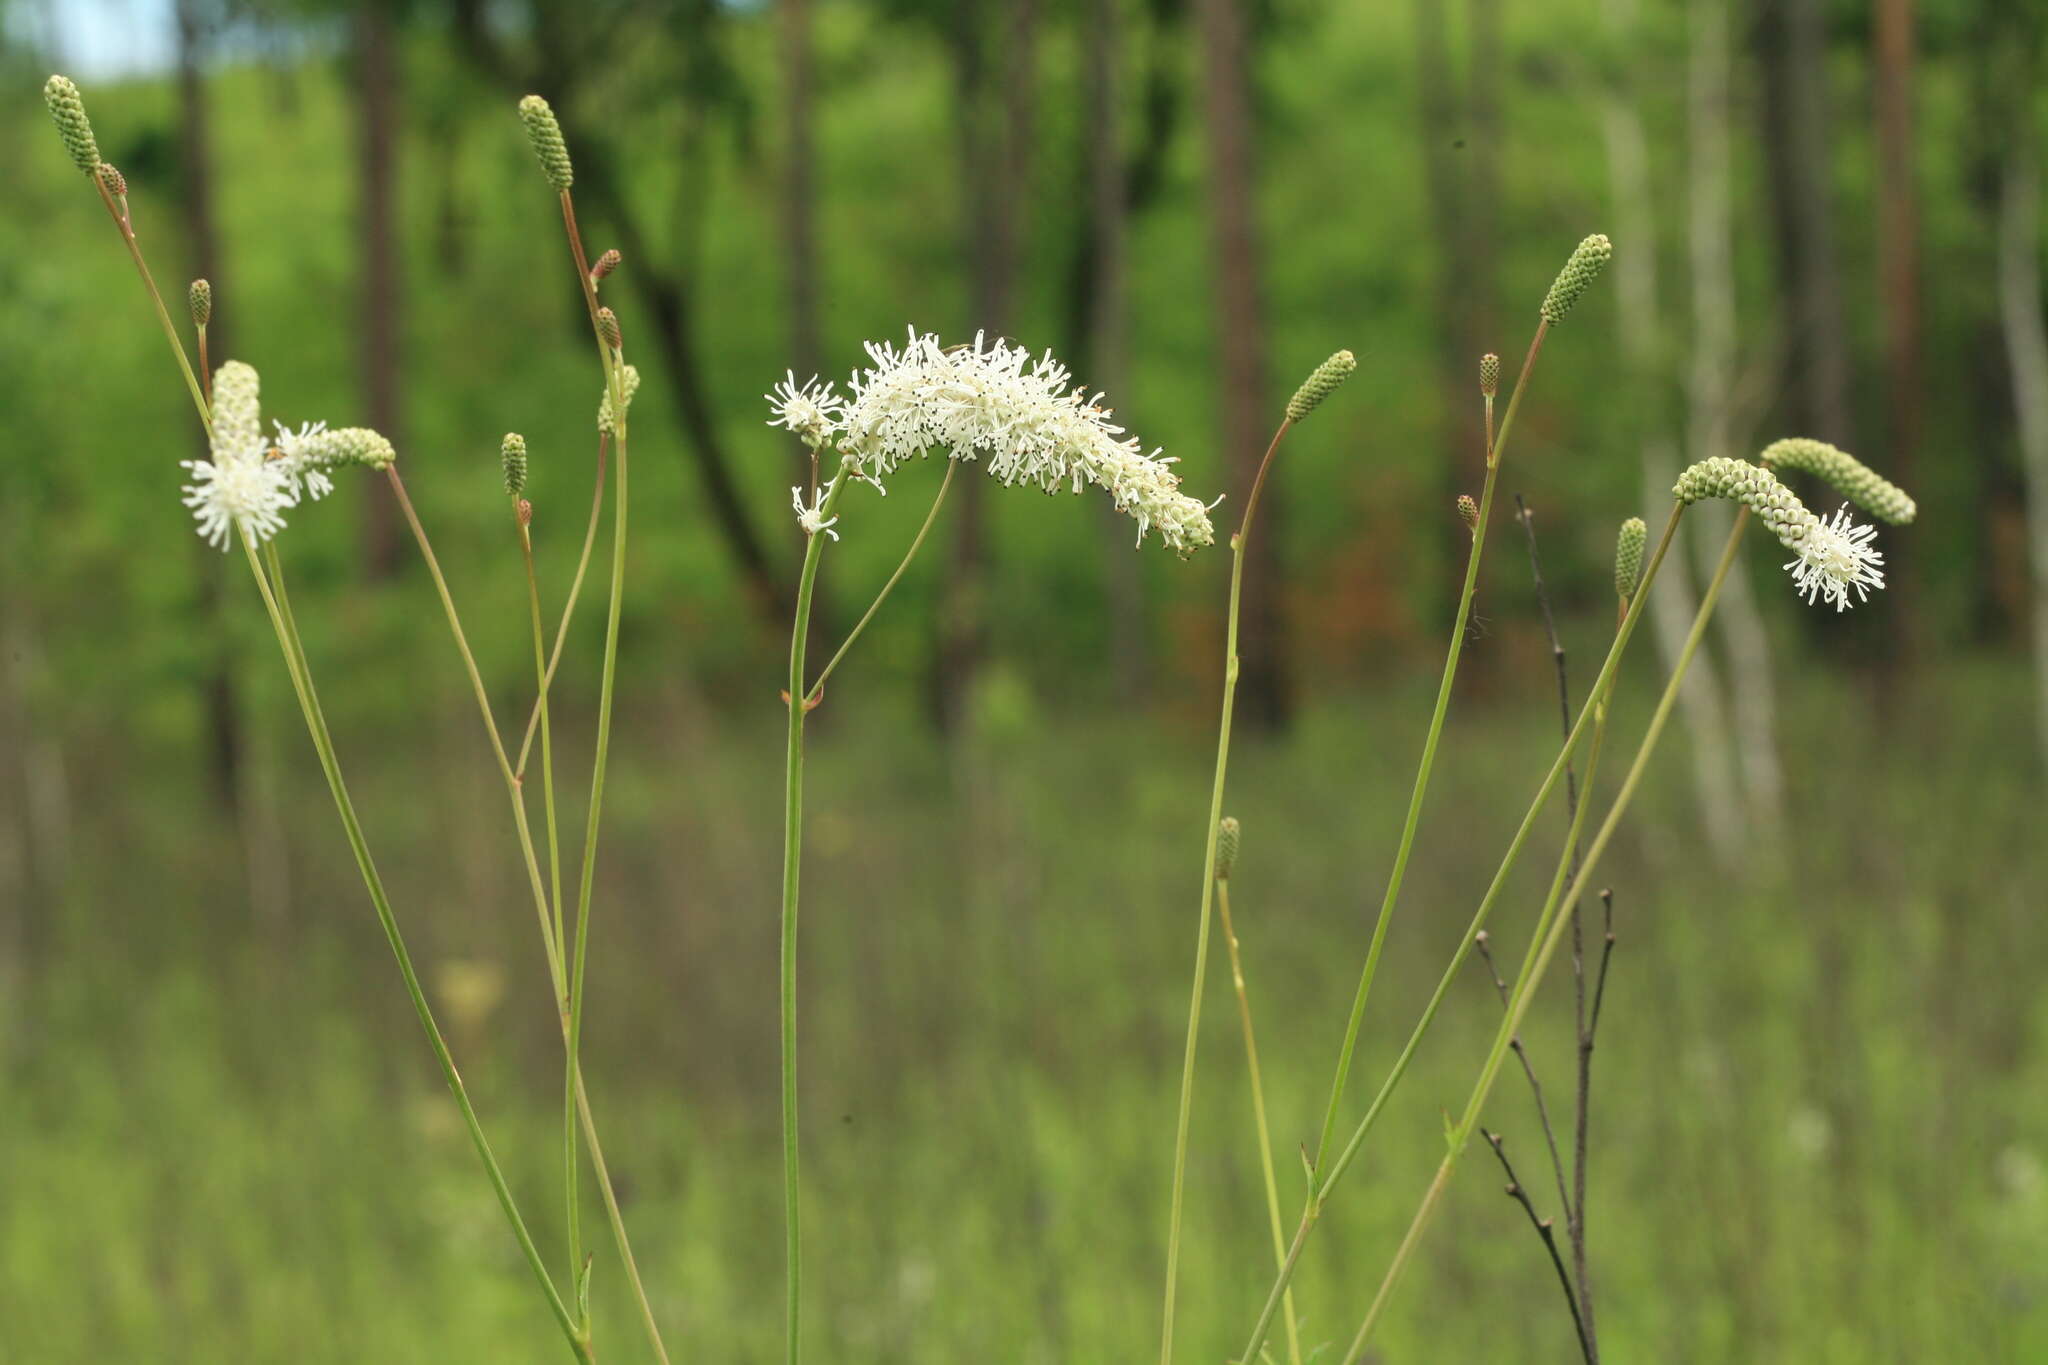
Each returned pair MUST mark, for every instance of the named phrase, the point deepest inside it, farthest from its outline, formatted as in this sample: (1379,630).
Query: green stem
(1327,1185)
(316,725)
(1251,1057)
(817,692)
(1532,974)
(163,315)
(1423,770)
(570,1183)
(792,851)
(547,680)
(1187,1072)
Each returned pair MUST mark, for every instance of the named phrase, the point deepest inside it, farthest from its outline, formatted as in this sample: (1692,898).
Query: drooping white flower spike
(1833,557)
(992,401)
(812,518)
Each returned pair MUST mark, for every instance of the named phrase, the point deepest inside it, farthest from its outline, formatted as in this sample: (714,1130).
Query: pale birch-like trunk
(2026,346)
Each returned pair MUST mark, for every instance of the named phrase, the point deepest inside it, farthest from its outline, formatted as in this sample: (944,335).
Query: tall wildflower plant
(1026,424)
(244,493)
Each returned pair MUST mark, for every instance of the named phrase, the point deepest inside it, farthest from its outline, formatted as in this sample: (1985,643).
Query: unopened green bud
(237,408)
(1845,473)
(1489,374)
(199,298)
(1586,263)
(629,383)
(606,264)
(608,328)
(1468,512)
(1226,847)
(347,446)
(1754,487)
(111,177)
(1628,557)
(512,454)
(546,136)
(1320,385)
(72,125)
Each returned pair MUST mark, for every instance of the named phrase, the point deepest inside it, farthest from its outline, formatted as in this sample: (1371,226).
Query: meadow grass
(1817,1124)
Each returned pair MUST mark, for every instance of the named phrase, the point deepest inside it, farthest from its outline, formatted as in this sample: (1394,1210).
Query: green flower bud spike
(1226,847)
(1832,557)
(110,176)
(606,264)
(1468,512)
(546,136)
(72,125)
(237,408)
(629,381)
(1320,385)
(347,446)
(1586,263)
(1628,558)
(512,454)
(608,328)
(199,298)
(1489,375)
(1844,473)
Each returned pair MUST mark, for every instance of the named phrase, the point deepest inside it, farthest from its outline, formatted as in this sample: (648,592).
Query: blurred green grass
(1819,1108)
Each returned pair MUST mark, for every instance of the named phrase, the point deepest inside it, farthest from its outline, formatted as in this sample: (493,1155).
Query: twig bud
(1226,847)
(629,383)
(1588,259)
(1468,512)
(72,125)
(1320,385)
(546,136)
(1628,557)
(512,455)
(199,298)
(606,264)
(608,328)
(1489,375)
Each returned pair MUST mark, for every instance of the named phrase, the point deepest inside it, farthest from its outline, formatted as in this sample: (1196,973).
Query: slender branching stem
(1542,951)
(1187,1074)
(792,856)
(1423,770)
(1480,942)
(1325,1186)
(570,1182)
(1265,1132)
(1547,1232)
(547,680)
(277,605)
(163,315)
(817,692)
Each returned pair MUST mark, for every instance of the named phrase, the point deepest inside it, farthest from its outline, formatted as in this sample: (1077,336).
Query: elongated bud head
(1320,385)
(608,328)
(72,125)
(525,512)
(346,446)
(1226,847)
(546,136)
(199,298)
(1628,557)
(606,264)
(1844,473)
(512,455)
(1489,374)
(629,382)
(1468,512)
(110,176)
(1586,263)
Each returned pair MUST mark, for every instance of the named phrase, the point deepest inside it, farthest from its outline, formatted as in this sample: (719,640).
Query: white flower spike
(238,490)
(809,410)
(297,460)
(812,518)
(1836,556)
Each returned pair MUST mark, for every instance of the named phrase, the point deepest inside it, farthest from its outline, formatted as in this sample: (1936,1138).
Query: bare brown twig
(1547,1233)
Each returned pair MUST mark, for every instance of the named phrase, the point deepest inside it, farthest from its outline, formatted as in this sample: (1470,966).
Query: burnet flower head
(1021,417)
(1832,557)
(250,481)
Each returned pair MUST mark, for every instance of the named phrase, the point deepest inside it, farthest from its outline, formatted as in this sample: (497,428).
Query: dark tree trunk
(223,723)
(1898,219)
(1265,694)
(381,303)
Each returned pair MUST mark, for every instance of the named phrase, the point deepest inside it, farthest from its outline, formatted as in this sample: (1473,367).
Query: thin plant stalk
(1495,444)
(1251,1057)
(568,608)
(1326,1186)
(163,315)
(817,692)
(277,605)
(570,1182)
(1187,1074)
(792,851)
(1541,951)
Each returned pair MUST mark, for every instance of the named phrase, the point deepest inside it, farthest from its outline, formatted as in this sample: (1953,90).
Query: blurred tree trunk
(1674,598)
(2026,345)
(1265,695)
(381,300)
(1104,354)
(1791,50)
(800,249)
(1716,425)
(1898,243)
(996,113)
